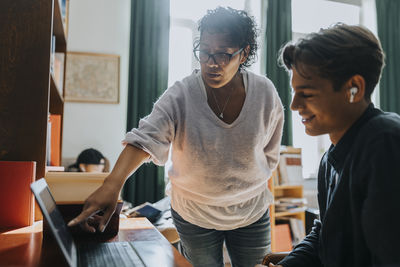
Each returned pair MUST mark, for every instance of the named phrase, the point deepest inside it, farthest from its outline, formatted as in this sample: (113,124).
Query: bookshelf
(298,213)
(284,191)
(29,91)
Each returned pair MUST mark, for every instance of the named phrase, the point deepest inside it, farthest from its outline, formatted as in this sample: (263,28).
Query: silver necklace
(221,112)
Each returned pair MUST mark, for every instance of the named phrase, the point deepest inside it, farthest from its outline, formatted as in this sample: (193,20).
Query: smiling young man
(333,73)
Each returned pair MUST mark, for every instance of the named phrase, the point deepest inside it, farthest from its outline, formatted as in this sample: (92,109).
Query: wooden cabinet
(28,91)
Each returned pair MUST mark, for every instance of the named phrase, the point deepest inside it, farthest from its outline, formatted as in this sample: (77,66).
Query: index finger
(85,214)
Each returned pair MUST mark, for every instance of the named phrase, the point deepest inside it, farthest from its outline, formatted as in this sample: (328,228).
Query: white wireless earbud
(353,92)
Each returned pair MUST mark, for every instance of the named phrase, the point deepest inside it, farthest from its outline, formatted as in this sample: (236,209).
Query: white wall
(98,26)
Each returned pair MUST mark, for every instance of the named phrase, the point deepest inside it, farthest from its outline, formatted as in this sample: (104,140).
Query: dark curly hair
(241,28)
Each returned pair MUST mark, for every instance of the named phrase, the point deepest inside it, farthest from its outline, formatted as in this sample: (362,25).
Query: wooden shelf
(291,150)
(277,187)
(28,91)
(290,212)
(283,191)
(288,191)
(56,99)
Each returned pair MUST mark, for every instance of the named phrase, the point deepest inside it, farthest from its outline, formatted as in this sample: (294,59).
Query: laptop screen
(55,220)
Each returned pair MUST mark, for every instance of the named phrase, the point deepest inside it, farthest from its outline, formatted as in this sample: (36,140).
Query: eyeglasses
(219,58)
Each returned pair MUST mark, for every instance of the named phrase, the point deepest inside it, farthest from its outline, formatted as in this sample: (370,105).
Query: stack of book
(17,203)
(296,230)
(284,204)
(283,238)
(290,167)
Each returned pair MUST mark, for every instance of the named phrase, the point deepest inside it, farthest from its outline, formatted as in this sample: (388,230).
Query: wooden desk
(25,246)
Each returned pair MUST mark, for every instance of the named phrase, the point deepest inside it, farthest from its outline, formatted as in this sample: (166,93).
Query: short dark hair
(337,53)
(90,156)
(241,28)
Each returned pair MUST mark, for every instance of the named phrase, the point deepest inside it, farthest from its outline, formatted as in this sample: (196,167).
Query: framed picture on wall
(92,77)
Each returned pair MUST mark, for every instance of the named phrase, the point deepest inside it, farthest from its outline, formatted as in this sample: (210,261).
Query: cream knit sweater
(219,172)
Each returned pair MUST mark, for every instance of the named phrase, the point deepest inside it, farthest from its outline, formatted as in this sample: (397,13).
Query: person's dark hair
(241,28)
(337,53)
(88,156)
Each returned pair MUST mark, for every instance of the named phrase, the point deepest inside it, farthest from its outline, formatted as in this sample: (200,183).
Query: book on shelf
(286,207)
(17,203)
(283,238)
(52,53)
(55,140)
(290,167)
(48,142)
(297,229)
(294,200)
(290,211)
(58,71)
(63,7)
(289,204)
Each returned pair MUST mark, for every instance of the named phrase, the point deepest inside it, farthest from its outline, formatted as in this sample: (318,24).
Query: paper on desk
(134,223)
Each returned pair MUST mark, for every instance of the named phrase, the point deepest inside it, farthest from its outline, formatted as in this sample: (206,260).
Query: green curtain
(148,78)
(278,25)
(388,18)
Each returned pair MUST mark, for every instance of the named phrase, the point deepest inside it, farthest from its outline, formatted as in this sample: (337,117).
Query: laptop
(135,253)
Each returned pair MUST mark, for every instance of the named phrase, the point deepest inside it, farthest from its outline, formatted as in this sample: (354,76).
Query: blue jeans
(203,247)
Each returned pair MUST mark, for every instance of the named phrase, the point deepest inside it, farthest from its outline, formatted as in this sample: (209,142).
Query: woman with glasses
(223,125)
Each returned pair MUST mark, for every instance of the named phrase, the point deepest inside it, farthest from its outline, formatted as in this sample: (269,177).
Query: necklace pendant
(221,115)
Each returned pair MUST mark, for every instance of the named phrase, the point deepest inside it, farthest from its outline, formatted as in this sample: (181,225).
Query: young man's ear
(355,89)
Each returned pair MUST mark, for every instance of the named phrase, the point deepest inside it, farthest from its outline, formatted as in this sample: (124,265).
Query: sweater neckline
(211,113)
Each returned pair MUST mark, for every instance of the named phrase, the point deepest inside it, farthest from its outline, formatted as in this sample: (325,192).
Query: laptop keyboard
(108,254)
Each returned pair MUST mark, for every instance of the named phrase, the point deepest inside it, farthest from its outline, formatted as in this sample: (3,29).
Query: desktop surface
(26,246)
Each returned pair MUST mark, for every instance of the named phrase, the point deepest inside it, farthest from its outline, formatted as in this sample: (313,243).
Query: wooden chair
(274,257)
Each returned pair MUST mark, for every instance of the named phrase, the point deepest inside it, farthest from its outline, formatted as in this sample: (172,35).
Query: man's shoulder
(379,133)
(384,123)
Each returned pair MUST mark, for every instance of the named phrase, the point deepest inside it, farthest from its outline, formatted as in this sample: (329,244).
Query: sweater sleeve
(155,131)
